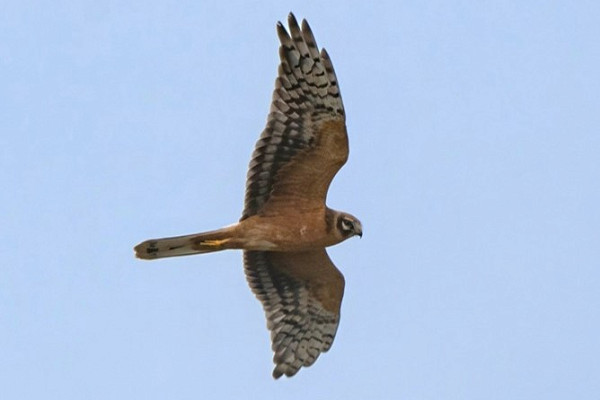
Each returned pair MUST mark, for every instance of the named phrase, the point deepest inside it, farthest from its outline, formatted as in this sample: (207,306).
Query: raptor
(286,224)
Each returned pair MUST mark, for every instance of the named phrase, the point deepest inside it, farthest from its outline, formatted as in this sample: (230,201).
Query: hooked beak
(358,229)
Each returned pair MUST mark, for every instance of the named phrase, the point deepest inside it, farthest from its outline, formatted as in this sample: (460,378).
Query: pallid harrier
(286,225)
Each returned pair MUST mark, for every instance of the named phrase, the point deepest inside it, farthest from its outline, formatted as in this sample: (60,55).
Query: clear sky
(475,168)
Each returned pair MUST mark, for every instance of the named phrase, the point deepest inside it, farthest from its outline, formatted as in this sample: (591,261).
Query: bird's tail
(198,243)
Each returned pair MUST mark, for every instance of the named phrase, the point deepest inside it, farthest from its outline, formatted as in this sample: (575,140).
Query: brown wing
(301,294)
(304,143)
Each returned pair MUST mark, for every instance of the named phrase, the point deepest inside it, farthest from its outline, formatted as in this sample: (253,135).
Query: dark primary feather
(306,92)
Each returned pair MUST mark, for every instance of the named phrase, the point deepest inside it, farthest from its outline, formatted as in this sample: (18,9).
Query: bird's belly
(255,243)
(288,239)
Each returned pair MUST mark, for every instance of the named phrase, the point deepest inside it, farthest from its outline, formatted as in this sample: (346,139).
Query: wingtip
(293,22)
(306,26)
(281,370)
(290,17)
(282,33)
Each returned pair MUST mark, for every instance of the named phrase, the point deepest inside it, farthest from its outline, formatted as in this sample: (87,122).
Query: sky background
(475,168)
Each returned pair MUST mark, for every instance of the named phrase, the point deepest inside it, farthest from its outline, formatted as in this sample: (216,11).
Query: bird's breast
(290,233)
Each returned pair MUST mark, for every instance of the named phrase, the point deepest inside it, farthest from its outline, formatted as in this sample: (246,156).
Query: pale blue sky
(475,169)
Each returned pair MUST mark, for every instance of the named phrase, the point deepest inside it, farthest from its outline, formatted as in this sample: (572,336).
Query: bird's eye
(347,225)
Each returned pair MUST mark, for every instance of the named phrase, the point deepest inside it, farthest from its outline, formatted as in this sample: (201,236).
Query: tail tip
(146,250)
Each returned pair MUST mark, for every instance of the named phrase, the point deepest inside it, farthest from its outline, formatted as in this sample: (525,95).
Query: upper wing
(304,143)
(301,294)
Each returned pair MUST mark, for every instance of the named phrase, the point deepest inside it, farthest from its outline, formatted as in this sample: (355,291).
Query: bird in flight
(286,225)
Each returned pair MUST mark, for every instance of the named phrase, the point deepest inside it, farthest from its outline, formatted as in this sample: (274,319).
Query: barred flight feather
(301,328)
(306,93)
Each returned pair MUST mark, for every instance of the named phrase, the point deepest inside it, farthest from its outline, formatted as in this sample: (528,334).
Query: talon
(214,243)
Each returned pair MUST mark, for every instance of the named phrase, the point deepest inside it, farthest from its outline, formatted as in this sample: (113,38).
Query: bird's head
(348,225)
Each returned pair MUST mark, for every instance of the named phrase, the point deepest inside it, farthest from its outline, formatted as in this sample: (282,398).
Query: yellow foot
(214,243)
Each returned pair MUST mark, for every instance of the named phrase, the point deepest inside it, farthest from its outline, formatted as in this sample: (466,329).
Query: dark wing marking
(301,294)
(305,124)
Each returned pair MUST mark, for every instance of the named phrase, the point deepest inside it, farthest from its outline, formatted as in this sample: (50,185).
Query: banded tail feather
(197,243)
